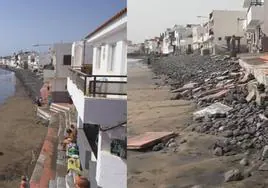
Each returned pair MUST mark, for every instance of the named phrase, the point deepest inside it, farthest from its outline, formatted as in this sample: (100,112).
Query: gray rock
(265,152)
(244,162)
(218,151)
(197,186)
(183,141)
(228,133)
(247,173)
(222,128)
(263,167)
(246,136)
(236,132)
(172,145)
(158,147)
(233,175)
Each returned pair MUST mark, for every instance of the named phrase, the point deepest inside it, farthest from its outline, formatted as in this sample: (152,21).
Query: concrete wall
(111,167)
(60,50)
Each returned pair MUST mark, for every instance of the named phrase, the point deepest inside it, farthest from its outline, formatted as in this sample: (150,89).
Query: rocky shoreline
(212,82)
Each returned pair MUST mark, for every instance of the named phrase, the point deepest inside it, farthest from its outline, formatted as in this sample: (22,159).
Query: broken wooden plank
(148,139)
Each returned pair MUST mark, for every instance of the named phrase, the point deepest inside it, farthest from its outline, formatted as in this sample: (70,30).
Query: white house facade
(57,77)
(99,97)
(223,24)
(254,25)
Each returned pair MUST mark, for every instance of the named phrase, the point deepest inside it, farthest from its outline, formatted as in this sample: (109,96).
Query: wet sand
(21,135)
(192,163)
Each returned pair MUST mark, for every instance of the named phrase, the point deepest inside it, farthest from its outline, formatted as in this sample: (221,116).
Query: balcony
(97,96)
(255,16)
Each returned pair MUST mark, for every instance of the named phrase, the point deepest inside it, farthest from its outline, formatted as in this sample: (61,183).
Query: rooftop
(108,22)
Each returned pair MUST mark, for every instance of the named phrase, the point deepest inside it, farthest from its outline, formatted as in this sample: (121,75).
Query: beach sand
(21,135)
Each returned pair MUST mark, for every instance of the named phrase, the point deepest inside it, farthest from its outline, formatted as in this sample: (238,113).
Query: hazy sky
(148,18)
(27,22)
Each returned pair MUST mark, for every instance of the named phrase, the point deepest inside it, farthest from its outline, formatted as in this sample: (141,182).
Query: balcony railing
(99,85)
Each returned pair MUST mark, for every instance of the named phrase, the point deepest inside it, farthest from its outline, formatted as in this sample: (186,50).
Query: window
(112,58)
(67,60)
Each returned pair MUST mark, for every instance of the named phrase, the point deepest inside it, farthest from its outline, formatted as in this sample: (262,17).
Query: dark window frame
(67,61)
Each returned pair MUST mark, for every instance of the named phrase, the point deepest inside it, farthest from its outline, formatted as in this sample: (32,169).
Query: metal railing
(99,85)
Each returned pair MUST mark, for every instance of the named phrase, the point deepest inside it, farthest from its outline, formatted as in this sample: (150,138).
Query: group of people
(73,162)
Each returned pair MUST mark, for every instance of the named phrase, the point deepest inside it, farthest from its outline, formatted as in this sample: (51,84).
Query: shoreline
(18,146)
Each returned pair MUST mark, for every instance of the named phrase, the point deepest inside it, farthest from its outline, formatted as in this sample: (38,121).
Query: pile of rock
(218,81)
(178,70)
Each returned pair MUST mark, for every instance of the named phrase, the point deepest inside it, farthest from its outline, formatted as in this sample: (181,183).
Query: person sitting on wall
(70,138)
(74,130)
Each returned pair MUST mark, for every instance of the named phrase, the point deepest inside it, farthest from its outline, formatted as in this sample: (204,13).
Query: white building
(100,100)
(57,78)
(223,24)
(254,25)
(43,58)
(198,36)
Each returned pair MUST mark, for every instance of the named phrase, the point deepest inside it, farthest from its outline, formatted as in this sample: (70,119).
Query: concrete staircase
(63,112)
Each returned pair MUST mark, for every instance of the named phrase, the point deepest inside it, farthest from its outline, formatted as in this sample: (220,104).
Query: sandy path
(149,109)
(20,134)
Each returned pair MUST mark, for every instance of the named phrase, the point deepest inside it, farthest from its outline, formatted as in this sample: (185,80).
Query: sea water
(7,85)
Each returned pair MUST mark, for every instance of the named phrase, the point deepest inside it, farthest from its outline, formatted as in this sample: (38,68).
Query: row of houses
(91,74)
(27,59)
(248,28)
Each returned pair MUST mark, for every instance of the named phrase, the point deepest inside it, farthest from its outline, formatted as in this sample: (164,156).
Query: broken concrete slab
(216,95)
(212,110)
(224,82)
(188,86)
(250,96)
(148,139)
(213,91)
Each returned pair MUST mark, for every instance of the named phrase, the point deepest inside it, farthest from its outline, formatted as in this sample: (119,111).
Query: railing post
(85,86)
(94,86)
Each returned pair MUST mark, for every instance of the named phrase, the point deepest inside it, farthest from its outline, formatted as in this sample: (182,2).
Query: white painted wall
(77,53)
(266,17)
(255,15)
(97,110)
(111,167)
(58,84)
(60,50)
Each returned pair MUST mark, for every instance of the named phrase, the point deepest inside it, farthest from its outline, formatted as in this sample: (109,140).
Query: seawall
(29,79)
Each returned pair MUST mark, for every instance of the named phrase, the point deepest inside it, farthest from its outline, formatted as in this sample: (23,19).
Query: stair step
(61,183)
(52,184)
(57,109)
(61,106)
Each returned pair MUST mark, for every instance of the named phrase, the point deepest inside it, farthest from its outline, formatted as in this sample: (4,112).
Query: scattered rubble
(232,105)
(263,167)
(233,175)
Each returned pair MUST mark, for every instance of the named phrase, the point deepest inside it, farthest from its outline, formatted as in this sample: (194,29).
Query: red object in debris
(81,182)
(148,139)
(264,58)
